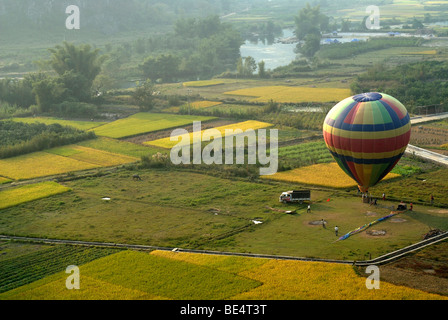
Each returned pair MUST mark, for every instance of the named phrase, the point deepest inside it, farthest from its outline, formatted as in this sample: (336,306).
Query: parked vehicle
(295,196)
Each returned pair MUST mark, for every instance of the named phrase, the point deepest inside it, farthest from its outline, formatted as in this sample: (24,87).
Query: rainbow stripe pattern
(367,134)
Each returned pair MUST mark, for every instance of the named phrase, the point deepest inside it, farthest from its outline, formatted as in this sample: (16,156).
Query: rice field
(100,158)
(81,125)
(426,52)
(129,275)
(40,164)
(324,174)
(142,123)
(204,83)
(60,160)
(4,180)
(118,147)
(204,104)
(187,139)
(287,94)
(27,193)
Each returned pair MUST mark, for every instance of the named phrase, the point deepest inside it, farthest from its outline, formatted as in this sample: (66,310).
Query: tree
(49,91)
(250,65)
(310,21)
(262,69)
(311,45)
(143,96)
(83,63)
(165,67)
(80,59)
(345,25)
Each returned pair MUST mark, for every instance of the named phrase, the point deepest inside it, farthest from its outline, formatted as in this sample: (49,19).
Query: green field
(82,125)
(31,267)
(144,123)
(192,210)
(27,193)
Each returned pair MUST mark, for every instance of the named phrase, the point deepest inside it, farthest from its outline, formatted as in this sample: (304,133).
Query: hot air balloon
(367,134)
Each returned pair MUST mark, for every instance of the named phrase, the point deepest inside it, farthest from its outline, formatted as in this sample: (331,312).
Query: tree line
(415,84)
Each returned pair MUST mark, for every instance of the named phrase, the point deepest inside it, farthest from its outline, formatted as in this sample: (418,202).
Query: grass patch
(418,188)
(16,196)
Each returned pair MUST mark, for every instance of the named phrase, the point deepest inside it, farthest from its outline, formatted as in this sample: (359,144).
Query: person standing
(432,199)
(309,209)
(336,229)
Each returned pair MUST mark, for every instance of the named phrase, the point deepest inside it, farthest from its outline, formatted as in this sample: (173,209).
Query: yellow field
(101,158)
(131,275)
(188,138)
(40,164)
(58,161)
(4,180)
(326,175)
(205,83)
(204,104)
(13,197)
(428,52)
(286,94)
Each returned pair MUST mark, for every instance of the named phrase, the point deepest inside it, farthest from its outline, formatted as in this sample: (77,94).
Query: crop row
(37,265)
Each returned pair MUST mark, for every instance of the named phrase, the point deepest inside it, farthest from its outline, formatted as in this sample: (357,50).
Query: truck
(295,196)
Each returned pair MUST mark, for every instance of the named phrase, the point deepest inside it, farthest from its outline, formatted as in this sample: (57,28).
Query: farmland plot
(160,275)
(144,123)
(81,125)
(13,197)
(188,138)
(286,94)
(326,175)
(40,164)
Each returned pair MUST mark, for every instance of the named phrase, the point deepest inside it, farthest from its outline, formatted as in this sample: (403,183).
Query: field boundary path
(428,155)
(384,259)
(423,153)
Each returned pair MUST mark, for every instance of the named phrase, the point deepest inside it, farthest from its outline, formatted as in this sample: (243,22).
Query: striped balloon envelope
(367,134)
